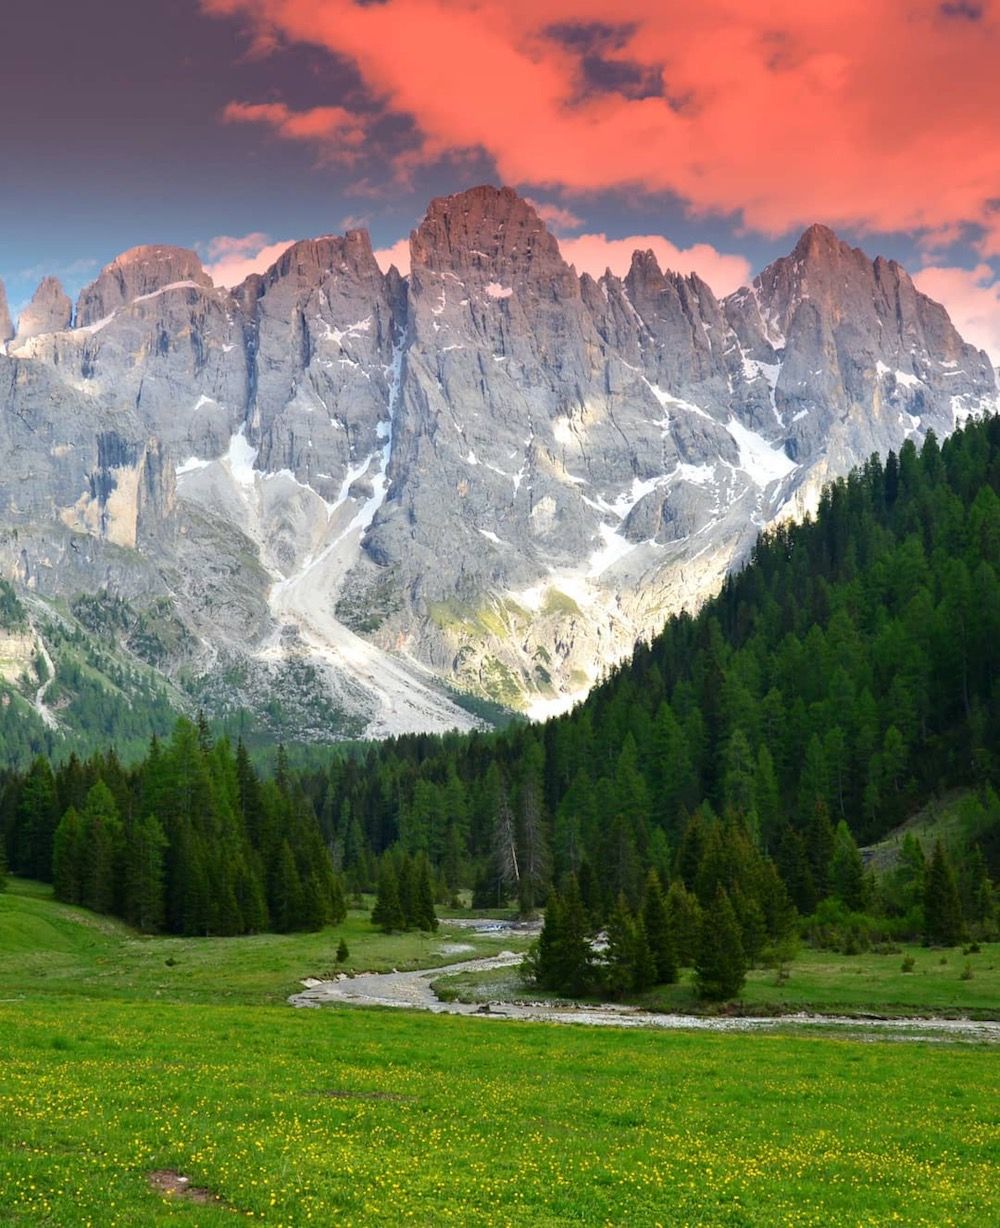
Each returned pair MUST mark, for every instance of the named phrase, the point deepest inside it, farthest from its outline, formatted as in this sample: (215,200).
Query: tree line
(190,841)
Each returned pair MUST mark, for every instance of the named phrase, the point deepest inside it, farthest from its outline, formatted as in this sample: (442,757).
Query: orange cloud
(878,114)
(595,253)
(336,130)
(231,259)
(972,297)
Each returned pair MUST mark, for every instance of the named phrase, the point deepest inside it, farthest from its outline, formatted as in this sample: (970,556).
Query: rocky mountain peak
(135,274)
(6,327)
(486,230)
(645,268)
(50,311)
(546,468)
(312,262)
(819,242)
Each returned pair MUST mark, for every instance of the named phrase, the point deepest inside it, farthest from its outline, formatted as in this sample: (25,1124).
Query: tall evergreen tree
(658,935)
(942,907)
(387,913)
(721,964)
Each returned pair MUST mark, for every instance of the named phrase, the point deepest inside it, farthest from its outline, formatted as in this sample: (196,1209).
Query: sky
(711,132)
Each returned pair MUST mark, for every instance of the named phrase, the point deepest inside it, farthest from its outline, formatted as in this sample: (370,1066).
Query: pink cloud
(335,130)
(557,217)
(594,253)
(778,111)
(398,254)
(972,297)
(231,259)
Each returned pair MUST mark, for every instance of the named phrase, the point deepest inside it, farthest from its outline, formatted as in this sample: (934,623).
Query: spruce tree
(847,870)
(684,919)
(621,951)
(387,913)
(721,964)
(67,858)
(101,845)
(547,955)
(942,907)
(644,973)
(658,934)
(143,900)
(424,916)
(576,955)
(287,902)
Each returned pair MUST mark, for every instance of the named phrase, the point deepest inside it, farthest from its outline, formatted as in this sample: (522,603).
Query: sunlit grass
(382,1117)
(109,1071)
(56,949)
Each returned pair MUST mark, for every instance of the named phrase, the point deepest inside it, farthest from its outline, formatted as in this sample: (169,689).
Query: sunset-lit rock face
(136,275)
(497,469)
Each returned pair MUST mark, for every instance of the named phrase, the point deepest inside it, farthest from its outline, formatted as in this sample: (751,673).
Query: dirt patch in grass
(172,1184)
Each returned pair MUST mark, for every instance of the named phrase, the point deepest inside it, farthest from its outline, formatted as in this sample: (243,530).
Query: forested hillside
(843,678)
(847,675)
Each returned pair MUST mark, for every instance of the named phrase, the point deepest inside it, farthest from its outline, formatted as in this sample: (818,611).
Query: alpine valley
(354,503)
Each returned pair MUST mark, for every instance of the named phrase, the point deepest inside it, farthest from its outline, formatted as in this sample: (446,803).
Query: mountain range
(376,500)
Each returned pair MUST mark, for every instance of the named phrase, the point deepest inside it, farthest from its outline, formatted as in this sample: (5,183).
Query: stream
(413,990)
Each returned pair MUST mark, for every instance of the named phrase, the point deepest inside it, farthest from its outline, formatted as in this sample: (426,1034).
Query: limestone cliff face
(496,472)
(138,274)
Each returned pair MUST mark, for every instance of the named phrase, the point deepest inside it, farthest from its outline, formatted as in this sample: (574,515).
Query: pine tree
(721,964)
(343,954)
(287,904)
(942,907)
(658,935)
(387,913)
(547,956)
(621,951)
(100,843)
(532,846)
(684,918)
(37,819)
(644,972)
(67,858)
(847,870)
(576,953)
(424,916)
(143,900)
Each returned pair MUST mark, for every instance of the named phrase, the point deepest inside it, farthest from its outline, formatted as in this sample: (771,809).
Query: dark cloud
(962,10)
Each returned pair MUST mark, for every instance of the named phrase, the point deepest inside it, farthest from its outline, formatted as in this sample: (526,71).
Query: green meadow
(115,1065)
(940,982)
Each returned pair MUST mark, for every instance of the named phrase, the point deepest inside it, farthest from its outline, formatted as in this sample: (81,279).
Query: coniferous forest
(843,679)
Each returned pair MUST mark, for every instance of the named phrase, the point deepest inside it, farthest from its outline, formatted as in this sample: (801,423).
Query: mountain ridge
(495,471)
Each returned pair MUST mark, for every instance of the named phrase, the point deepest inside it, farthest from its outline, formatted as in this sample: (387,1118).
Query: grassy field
(818,981)
(110,1071)
(59,950)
